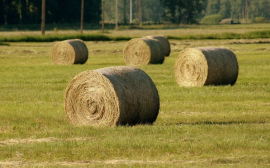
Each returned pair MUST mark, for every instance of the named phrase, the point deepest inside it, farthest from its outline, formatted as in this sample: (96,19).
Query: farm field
(217,126)
(166,30)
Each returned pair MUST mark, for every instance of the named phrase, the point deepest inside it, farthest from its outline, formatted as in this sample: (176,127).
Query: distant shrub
(135,21)
(259,20)
(212,19)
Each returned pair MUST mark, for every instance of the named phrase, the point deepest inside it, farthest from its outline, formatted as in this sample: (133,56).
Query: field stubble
(205,126)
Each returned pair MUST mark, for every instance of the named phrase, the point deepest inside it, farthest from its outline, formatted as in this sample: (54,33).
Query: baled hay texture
(206,66)
(112,96)
(164,41)
(143,51)
(70,52)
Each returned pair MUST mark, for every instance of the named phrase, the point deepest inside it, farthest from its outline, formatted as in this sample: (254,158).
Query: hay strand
(69,52)
(111,96)
(164,42)
(143,51)
(206,66)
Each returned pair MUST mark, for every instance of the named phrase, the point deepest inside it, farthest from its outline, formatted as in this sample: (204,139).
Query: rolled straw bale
(141,51)
(69,52)
(111,96)
(164,41)
(206,66)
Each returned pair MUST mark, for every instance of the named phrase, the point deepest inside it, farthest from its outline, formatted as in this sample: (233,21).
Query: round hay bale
(164,41)
(226,21)
(140,51)
(206,66)
(70,52)
(111,96)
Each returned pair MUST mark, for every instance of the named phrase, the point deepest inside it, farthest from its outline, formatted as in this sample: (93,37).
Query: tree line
(156,11)
(68,11)
(152,11)
(239,9)
(187,11)
(57,11)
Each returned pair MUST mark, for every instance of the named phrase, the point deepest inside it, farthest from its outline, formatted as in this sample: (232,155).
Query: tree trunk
(116,14)
(103,3)
(130,12)
(23,12)
(43,18)
(82,11)
(124,12)
(140,12)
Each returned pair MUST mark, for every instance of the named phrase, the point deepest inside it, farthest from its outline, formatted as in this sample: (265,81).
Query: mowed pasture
(206,126)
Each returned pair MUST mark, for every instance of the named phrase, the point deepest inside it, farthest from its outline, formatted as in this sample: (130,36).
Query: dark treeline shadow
(4,44)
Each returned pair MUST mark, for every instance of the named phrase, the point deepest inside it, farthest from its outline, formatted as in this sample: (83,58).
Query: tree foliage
(182,11)
(152,11)
(237,9)
(212,19)
(60,11)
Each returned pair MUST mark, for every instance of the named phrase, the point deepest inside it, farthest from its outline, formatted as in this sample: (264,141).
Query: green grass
(55,37)
(178,32)
(100,37)
(226,35)
(217,126)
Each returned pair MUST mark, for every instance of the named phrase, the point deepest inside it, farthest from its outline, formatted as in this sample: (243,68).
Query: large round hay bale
(164,41)
(206,66)
(140,51)
(70,52)
(111,96)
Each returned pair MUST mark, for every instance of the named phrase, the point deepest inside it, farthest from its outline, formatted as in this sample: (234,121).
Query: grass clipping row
(111,96)
(206,66)
(69,52)
(142,51)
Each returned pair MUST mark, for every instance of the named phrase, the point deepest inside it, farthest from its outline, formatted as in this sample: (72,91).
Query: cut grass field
(217,126)
(182,32)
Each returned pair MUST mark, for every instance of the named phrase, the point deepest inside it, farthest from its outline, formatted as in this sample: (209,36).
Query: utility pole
(140,12)
(243,13)
(116,14)
(103,3)
(43,17)
(130,11)
(246,10)
(82,11)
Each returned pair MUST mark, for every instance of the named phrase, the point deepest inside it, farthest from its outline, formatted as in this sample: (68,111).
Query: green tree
(2,12)
(237,7)
(11,13)
(264,8)
(213,7)
(170,9)
(151,11)
(182,11)
(192,10)
(60,11)
(254,9)
(225,9)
